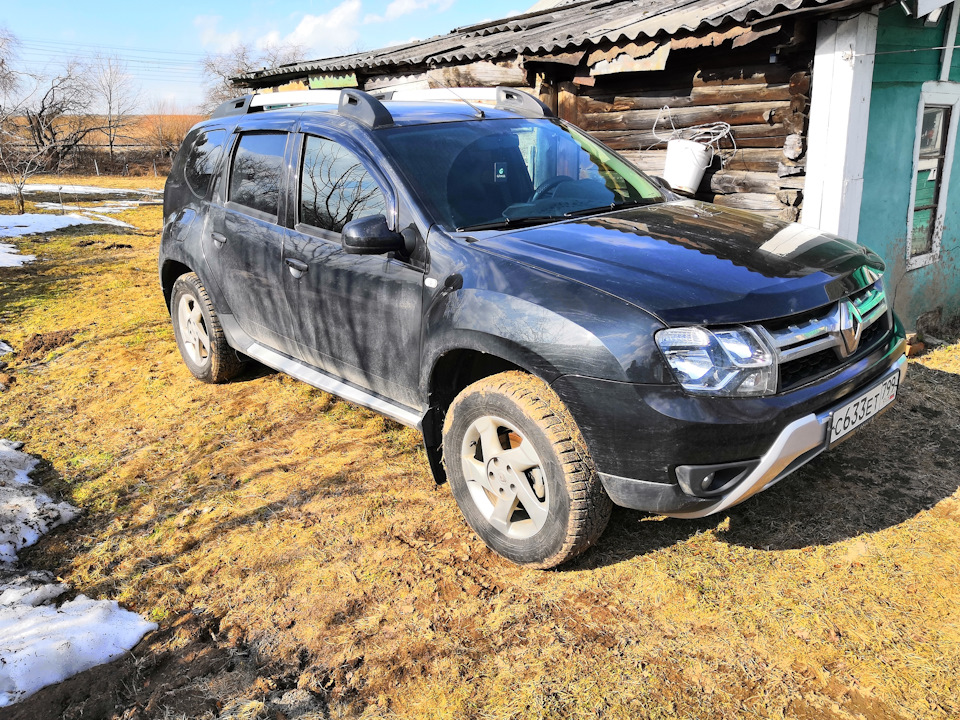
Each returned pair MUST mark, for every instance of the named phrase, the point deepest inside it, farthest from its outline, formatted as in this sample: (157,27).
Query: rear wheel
(520,471)
(200,338)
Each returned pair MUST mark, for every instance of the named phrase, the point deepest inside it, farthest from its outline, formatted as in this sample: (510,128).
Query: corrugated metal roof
(553,30)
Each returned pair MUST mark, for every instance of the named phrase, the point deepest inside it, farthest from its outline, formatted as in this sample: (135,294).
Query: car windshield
(501,173)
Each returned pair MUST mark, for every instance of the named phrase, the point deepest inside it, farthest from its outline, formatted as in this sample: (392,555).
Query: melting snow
(33,223)
(9,257)
(41,643)
(8,189)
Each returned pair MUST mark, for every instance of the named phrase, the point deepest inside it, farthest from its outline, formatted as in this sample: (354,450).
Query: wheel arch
(458,367)
(169,272)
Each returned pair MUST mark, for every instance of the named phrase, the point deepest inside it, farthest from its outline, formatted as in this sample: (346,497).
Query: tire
(520,471)
(202,344)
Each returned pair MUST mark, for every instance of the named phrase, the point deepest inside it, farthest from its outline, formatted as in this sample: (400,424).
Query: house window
(932,161)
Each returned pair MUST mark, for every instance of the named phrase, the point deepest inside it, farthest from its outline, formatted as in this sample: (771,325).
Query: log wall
(766,105)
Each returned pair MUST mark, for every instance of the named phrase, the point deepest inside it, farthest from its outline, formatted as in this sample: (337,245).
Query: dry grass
(307,535)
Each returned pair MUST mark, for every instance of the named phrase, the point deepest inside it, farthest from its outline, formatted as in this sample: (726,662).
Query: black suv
(566,332)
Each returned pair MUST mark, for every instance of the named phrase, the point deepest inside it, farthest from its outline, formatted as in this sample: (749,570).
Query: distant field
(286,540)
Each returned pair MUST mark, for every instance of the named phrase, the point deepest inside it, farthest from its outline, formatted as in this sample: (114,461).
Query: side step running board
(330,384)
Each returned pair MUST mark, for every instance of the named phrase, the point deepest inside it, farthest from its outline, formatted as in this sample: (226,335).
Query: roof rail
(364,108)
(237,106)
(274,101)
(368,108)
(503,98)
(521,103)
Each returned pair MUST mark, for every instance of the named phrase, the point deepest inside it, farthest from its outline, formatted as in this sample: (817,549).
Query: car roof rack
(275,101)
(368,108)
(503,98)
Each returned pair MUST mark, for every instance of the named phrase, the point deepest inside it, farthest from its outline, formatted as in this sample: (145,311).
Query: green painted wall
(897,81)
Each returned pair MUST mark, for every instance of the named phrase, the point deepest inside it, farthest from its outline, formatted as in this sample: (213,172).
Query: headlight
(731,362)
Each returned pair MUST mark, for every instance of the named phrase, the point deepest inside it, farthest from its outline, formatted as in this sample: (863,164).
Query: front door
(359,314)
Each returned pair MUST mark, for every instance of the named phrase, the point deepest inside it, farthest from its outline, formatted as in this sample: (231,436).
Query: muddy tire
(200,338)
(520,472)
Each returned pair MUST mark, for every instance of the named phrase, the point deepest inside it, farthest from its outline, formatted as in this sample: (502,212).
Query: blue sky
(163,44)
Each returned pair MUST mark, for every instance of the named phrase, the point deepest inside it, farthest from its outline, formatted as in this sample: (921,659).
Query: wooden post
(567,102)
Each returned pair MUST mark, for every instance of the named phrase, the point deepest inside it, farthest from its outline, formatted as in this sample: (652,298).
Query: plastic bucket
(687,160)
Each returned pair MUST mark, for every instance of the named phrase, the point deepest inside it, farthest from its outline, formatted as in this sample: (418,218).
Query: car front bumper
(643,437)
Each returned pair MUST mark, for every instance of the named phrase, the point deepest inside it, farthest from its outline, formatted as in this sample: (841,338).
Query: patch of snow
(111,207)
(4,349)
(35,223)
(29,188)
(41,643)
(10,256)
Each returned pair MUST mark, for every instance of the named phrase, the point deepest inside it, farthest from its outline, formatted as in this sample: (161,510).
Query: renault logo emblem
(849,327)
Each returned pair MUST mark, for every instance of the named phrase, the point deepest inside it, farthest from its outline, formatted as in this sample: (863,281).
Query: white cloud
(332,32)
(399,8)
(211,36)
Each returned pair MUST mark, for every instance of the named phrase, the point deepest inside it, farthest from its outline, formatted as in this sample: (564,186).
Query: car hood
(689,262)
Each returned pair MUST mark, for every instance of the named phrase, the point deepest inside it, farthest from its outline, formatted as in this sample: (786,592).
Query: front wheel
(520,472)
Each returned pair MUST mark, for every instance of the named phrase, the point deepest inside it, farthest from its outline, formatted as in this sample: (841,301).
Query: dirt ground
(301,563)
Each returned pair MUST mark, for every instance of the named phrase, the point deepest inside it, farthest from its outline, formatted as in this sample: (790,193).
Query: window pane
(257,171)
(334,187)
(933,134)
(933,141)
(921,240)
(203,159)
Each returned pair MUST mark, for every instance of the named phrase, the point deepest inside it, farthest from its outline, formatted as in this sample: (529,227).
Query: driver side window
(334,187)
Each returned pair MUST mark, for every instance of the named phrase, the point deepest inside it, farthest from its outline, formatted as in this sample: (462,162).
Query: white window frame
(933,94)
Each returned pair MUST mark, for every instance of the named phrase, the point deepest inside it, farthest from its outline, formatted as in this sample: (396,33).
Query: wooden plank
(750,160)
(479,74)
(735,114)
(749,201)
(690,97)
(773,73)
(745,136)
(567,103)
(733,181)
(800,83)
(651,161)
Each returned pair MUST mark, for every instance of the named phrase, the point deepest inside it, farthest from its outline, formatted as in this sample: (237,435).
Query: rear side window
(257,172)
(203,159)
(334,187)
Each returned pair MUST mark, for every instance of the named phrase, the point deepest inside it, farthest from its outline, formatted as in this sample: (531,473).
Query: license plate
(855,413)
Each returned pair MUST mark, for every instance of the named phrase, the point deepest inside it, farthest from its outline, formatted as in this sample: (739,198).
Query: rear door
(243,241)
(359,314)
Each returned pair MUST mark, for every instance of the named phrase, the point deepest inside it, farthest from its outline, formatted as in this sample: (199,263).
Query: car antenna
(479,112)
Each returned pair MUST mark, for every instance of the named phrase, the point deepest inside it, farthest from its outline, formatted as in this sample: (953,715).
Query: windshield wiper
(612,206)
(512,222)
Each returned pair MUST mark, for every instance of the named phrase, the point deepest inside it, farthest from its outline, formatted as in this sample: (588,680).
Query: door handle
(218,238)
(297,267)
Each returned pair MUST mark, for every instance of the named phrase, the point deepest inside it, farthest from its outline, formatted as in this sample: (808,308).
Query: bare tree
(115,97)
(42,121)
(241,58)
(8,52)
(58,112)
(20,158)
(169,125)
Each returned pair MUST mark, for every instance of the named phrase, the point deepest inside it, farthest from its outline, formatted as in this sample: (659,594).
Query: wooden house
(843,113)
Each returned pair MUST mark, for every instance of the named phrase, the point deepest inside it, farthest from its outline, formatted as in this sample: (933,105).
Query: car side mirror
(370,236)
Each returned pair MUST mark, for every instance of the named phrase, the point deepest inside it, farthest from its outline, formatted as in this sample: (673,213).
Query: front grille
(818,343)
